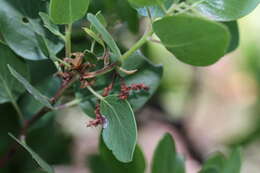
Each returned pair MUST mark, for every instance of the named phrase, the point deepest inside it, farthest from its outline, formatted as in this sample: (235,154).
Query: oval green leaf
(68,11)
(234,31)
(54,29)
(113,165)
(166,159)
(23,41)
(233,164)
(93,35)
(225,10)
(193,40)
(218,163)
(142,3)
(214,164)
(105,34)
(120,135)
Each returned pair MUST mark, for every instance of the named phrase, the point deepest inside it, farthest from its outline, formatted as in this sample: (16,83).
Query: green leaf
(23,41)
(94,36)
(33,91)
(233,29)
(210,170)
(159,9)
(113,165)
(105,35)
(97,165)
(166,159)
(120,135)
(214,164)
(225,10)
(10,89)
(219,164)
(30,106)
(106,162)
(35,156)
(191,44)
(68,11)
(45,47)
(51,26)
(142,3)
(93,32)
(51,142)
(101,19)
(233,164)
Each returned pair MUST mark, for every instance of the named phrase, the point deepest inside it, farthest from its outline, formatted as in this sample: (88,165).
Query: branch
(137,45)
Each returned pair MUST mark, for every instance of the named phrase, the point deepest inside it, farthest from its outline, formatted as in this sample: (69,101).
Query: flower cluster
(100,119)
(125,90)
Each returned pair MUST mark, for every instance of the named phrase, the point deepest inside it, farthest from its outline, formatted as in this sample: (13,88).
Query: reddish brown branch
(34,119)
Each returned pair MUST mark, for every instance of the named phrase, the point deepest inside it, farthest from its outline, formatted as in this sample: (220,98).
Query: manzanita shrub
(107,80)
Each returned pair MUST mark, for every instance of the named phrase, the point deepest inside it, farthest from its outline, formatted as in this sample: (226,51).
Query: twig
(33,120)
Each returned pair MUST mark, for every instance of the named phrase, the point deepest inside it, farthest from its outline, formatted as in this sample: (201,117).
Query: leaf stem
(137,45)
(68,29)
(95,93)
